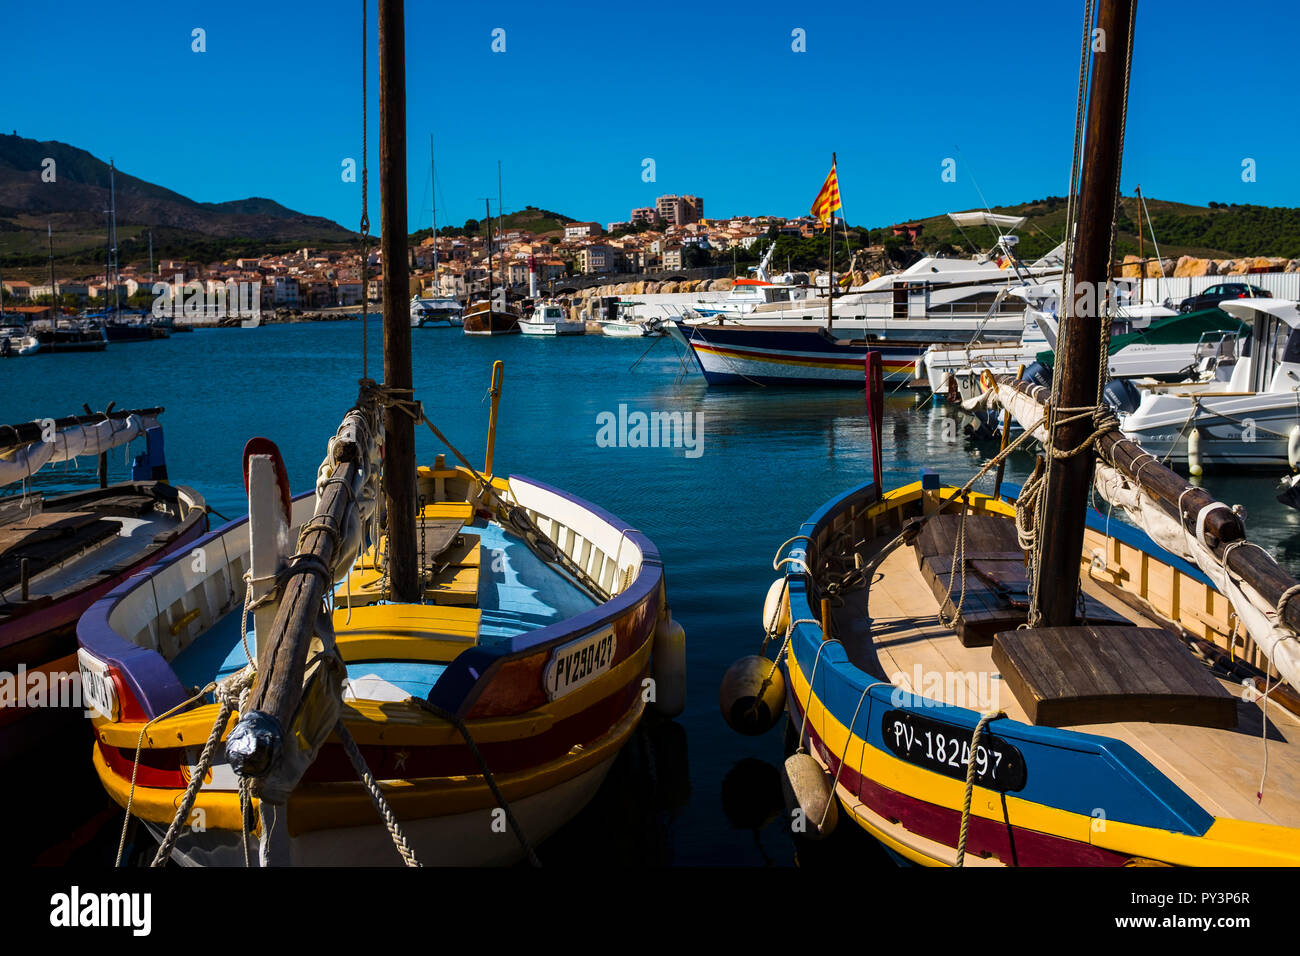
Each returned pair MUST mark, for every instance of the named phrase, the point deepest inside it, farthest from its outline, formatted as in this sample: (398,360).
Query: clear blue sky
(713,93)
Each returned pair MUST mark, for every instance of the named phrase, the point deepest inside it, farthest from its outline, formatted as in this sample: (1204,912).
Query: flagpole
(830,286)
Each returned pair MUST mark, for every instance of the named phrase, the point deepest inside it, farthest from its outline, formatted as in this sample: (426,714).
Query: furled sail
(72,442)
(1221,561)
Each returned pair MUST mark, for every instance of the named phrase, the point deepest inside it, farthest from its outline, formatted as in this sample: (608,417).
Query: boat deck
(67,548)
(484,586)
(892,630)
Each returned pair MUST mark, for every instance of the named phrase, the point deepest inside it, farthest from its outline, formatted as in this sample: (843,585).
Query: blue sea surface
(769,459)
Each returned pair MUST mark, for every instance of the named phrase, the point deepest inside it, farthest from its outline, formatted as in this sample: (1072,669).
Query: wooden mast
(1078,353)
(399,427)
(1142,261)
(830,279)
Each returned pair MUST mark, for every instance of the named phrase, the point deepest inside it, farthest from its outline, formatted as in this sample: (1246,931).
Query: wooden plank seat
(411,632)
(1091,674)
(454,577)
(439,534)
(48,538)
(996,579)
(125,505)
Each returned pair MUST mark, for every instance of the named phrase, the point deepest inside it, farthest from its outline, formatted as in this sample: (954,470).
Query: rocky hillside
(74,203)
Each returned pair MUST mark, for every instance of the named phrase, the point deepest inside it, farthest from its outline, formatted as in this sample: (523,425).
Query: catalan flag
(828,200)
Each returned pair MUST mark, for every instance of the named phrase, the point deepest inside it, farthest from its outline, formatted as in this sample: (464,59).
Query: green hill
(1217,231)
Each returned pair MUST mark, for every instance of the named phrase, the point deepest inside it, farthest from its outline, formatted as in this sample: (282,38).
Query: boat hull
(491,323)
(730,355)
(1240,431)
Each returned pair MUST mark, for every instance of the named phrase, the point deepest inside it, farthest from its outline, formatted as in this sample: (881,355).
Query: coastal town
(659,242)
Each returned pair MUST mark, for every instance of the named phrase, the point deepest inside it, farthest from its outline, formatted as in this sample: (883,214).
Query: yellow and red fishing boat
(501,697)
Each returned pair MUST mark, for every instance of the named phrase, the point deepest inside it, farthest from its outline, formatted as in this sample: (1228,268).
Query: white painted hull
(463,839)
(1236,431)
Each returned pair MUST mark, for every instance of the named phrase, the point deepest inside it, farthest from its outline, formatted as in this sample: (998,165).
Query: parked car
(1215,294)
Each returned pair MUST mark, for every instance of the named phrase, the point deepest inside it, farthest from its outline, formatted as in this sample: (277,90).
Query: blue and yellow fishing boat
(887,698)
(502,696)
(1016,679)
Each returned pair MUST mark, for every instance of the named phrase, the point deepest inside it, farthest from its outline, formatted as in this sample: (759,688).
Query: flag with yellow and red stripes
(828,200)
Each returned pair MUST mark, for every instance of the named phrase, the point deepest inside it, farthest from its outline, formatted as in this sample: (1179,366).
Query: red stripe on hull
(1013,845)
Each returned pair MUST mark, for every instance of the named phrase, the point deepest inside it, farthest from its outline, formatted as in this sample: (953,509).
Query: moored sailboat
(442,677)
(1012,679)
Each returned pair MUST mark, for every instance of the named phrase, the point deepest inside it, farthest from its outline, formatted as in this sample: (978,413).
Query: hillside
(529,219)
(1219,231)
(74,206)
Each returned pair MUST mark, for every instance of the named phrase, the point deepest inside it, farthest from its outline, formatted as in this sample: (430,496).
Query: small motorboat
(16,341)
(549,318)
(59,554)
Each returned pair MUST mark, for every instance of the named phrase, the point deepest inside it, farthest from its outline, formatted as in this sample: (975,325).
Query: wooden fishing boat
(541,657)
(59,554)
(1018,680)
(482,319)
(446,679)
(1116,742)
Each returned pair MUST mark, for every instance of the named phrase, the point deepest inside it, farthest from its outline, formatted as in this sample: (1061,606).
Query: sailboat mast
(830,282)
(433,198)
(54,289)
(501,228)
(1142,262)
(399,428)
(1079,346)
(487,223)
(112,205)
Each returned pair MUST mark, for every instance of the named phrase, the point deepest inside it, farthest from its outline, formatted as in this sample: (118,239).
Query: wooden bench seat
(996,579)
(1091,674)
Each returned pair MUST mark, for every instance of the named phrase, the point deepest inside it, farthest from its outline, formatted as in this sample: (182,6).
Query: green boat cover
(1171,330)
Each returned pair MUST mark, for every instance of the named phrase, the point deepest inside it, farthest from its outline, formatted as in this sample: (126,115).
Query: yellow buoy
(1194,454)
(668,667)
(752,695)
(809,797)
(776,609)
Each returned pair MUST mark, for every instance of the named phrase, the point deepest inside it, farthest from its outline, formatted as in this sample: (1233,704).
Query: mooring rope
(456,721)
(984,720)
(376,795)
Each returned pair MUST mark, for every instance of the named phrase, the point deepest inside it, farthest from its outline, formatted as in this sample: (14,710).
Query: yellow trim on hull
(1227,842)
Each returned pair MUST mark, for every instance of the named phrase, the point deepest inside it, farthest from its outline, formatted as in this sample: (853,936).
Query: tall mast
(399,428)
(1079,346)
(487,221)
(54,289)
(433,198)
(1142,262)
(501,228)
(830,282)
(112,204)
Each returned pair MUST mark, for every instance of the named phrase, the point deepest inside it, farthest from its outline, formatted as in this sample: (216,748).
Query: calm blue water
(769,459)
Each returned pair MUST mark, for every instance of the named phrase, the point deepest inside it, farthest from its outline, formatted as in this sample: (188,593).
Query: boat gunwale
(156,688)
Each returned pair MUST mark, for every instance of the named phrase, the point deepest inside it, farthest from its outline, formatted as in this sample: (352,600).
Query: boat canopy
(981,218)
(1247,310)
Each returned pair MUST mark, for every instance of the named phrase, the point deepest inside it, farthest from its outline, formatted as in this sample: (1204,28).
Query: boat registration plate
(579,662)
(97,692)
(945,748)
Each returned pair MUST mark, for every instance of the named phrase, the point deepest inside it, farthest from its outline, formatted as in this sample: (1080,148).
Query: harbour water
(691,793)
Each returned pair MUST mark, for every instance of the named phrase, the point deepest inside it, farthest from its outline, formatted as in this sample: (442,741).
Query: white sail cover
(72,442)
(1278,642)
(981,218)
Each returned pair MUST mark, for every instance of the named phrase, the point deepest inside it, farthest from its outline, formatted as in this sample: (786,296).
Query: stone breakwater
(1134,267)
